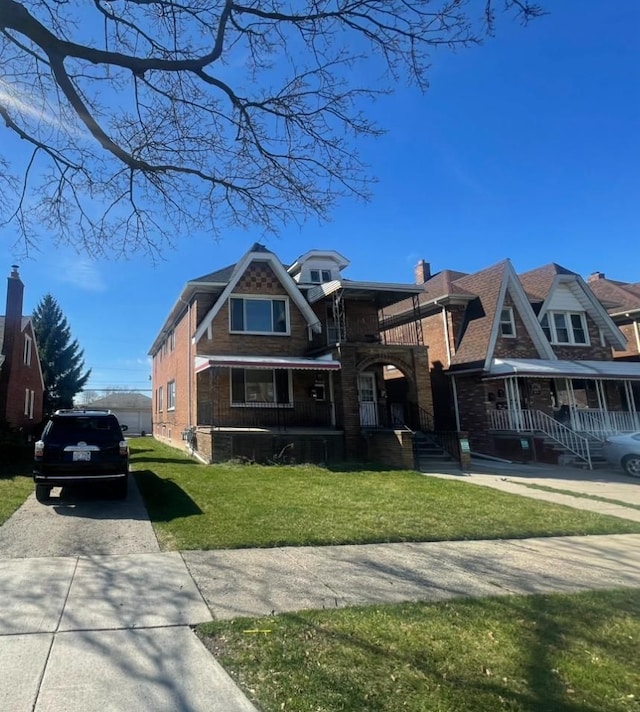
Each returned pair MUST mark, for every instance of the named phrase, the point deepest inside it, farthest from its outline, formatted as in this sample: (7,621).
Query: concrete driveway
(95,617)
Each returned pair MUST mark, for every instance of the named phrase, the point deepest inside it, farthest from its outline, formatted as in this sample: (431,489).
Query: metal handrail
(536,420)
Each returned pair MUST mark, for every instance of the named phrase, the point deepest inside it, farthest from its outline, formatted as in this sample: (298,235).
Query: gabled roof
(260,253)
(538,282)
(618,298)
(482,319)
(441,288)
(551,276)
(121,401)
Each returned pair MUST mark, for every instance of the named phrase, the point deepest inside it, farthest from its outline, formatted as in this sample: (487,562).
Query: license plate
(81,456)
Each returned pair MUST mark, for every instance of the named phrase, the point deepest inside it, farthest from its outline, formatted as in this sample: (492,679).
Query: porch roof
(552,368)
(290,362)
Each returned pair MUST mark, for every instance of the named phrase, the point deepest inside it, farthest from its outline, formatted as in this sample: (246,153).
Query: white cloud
(81,272)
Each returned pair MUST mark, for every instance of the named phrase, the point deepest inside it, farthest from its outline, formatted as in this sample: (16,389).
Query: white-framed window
(565,328)
(172,340)
(171,395)
(318,276)
(159,398)
(259,315)
(507,323)
(28,345)
(29,397)
(260,386)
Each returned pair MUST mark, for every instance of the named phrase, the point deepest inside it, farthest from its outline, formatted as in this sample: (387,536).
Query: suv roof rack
(75,411)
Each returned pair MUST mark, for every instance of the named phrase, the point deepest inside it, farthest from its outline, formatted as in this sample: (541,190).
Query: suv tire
(43,492)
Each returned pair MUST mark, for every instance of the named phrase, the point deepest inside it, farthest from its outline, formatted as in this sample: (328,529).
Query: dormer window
(565,328)
(318,276)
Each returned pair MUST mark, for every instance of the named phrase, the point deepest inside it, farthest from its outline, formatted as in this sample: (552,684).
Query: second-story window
(27,350)
(565,328)
(257,315)
(507,323)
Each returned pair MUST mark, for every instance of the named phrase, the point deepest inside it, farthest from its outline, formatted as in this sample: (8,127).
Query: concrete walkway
(82,632)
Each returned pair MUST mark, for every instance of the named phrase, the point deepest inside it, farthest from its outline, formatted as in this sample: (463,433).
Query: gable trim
(592,307)
(512,284)
(285,279)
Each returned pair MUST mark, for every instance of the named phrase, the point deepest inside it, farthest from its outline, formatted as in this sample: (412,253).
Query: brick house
(622,302)
(522,362)
(260,359)
(21,382)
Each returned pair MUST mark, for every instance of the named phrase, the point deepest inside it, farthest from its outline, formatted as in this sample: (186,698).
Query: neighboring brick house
(259,359)
(523,363)
(622,302)
(21,382)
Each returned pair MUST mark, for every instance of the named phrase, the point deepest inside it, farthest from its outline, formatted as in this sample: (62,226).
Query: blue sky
(527,147)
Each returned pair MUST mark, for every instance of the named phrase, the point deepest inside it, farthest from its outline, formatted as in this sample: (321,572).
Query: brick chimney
(15,293)
(595,276)
(422,272)
(12,330)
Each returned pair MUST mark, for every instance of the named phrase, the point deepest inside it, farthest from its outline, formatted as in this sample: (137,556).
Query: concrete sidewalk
(112,632)
(107,633)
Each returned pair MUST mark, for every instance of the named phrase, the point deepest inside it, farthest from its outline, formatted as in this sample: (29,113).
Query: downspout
(454,388)
(445,324)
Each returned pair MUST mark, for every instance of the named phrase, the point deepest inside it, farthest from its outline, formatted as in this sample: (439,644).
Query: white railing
(537,421)
(601,423)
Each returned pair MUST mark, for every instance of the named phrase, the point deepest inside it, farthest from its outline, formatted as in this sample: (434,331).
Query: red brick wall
(22,377)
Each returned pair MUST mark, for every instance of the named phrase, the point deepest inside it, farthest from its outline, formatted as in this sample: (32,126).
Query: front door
(367,398)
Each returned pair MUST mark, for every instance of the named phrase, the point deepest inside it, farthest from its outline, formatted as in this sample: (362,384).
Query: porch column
(602,405)
(572,403)
(631,404)
(514,407)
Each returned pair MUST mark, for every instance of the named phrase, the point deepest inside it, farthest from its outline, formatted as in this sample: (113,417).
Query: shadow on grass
(164,499)
(159,460)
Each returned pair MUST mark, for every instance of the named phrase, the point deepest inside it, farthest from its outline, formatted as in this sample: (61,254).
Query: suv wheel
(42,493)
(121,488)
(631,465)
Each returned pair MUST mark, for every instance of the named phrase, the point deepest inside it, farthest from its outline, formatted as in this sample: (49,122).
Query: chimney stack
(595,276)
(422,272)
(15,294)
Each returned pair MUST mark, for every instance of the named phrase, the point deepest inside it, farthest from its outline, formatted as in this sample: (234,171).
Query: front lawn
(555,653)
(194,506)
(16,483)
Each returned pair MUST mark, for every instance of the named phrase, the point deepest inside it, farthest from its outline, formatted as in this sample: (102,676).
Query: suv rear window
(93,431)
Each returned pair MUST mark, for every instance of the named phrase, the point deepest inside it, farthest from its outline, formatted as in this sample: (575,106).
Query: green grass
(556,653)
(194,506)
(16,484)
(583,495)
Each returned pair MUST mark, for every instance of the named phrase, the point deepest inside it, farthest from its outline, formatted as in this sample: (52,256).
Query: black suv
(81,446)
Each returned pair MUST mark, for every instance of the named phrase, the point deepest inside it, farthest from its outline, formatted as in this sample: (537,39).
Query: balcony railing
(280,416)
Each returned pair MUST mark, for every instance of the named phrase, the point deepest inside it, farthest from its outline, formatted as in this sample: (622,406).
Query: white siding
(563,299)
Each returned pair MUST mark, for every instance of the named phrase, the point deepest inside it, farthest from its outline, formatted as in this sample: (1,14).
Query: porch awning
(547,368)
(264,362)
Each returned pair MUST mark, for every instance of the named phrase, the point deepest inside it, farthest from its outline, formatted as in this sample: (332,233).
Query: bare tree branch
(251,109)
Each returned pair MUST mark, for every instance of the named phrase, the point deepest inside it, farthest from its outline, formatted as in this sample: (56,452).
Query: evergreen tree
(61,358)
